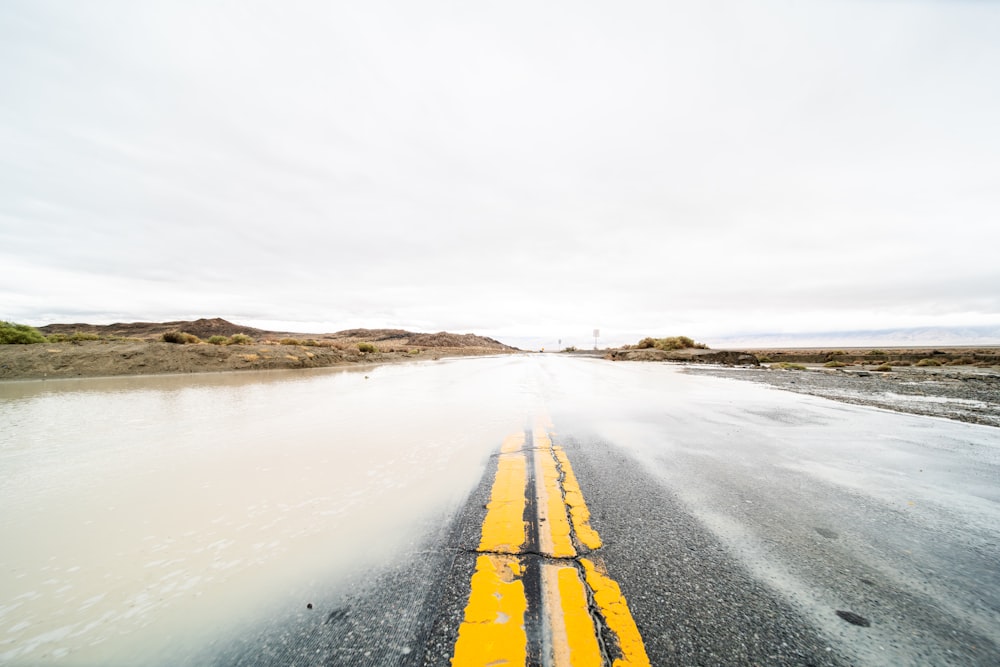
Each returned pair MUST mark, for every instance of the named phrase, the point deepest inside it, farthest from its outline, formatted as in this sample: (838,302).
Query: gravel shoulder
(963,394)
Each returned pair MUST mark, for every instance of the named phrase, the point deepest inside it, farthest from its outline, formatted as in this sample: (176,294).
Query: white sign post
(597,334)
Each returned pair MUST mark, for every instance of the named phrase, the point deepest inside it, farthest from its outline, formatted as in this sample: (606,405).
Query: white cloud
(525,169)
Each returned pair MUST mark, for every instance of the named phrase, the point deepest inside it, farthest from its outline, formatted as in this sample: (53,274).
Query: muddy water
(143,516)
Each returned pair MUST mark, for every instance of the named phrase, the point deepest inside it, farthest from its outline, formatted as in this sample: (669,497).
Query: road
(534,509)
(736,524)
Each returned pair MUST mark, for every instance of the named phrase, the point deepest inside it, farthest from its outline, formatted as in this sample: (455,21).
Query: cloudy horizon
(519,171)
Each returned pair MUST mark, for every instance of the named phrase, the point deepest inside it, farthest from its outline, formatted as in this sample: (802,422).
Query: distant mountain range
(916,336)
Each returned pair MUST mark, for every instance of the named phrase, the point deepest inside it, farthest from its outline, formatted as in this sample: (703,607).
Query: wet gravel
(969,394)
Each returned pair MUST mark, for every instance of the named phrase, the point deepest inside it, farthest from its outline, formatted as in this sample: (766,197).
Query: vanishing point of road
(526,510)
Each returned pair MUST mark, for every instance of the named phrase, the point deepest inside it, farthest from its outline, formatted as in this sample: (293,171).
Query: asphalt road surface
(607,514)
(743,525)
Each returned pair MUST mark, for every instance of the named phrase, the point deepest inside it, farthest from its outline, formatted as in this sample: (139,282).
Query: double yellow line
(533,594)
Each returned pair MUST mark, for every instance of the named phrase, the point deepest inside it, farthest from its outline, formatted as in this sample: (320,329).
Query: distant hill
(204,328)
(402,337)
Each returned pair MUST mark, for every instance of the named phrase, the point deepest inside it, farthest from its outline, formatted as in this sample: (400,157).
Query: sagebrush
(19,334)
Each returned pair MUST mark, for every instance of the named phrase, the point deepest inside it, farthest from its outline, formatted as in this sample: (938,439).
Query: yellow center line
(553,524)
(504,528)
(614,609)
(572,635)
(493,630)
(587,536)
(512,443)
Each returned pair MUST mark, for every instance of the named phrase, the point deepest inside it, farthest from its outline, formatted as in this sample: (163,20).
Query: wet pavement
(962,393)
(333,518)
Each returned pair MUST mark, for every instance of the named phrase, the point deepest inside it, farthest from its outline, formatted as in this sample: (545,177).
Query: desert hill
(205,328)
(140,348)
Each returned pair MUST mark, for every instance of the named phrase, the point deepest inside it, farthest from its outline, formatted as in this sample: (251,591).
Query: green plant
(218,340)
(790,366)
(180,338)
(290,341)
(834,364)
(240,339)
(19,334)
(571,348)
(876,353)
(927,361)
(367,347)
(884,367)
(80,335)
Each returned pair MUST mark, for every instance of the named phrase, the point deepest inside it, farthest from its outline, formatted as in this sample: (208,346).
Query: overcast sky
(517,169)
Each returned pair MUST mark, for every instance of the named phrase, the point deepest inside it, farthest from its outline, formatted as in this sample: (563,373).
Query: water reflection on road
(141,513)
(145,518)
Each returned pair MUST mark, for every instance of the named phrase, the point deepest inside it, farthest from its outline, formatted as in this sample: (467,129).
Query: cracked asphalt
(744,528)
(744,525)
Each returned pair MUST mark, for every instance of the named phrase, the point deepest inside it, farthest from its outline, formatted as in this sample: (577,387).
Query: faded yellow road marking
(553,524)
(512,443)
(504,529)
(614,609)
(493,630)
(572,637)
(587,536)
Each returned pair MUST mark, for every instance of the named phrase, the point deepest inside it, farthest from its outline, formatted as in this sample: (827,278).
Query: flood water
(140,515)
(145,520)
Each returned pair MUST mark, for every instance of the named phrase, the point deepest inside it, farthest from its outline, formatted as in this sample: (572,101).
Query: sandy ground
(108,358)
(964,393)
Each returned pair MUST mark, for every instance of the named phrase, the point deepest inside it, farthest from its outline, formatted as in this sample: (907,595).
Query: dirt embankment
(137,349)
(690,355)
(858,358)
(894,356)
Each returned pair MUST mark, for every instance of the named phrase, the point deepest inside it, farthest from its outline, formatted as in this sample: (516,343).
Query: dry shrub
(670,343)
(180,338)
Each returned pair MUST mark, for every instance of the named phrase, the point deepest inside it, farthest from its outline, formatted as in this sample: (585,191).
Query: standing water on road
(149,520)
(142,514)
